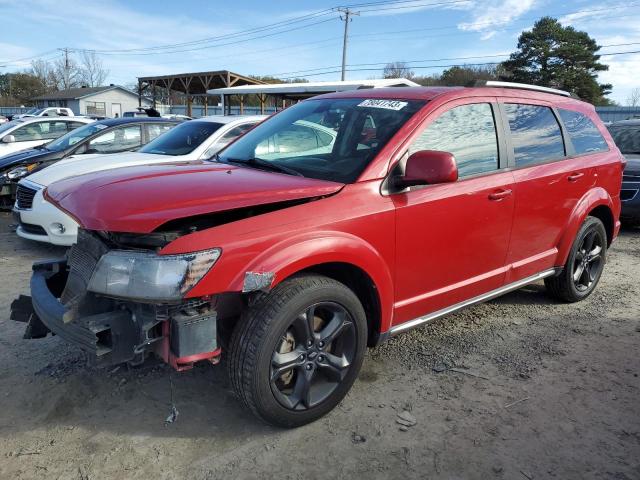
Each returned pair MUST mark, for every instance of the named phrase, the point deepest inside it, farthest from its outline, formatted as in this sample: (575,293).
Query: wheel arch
(597,203)
(343,257)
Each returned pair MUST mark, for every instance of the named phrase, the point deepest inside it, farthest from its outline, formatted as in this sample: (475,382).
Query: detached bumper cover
(94,334)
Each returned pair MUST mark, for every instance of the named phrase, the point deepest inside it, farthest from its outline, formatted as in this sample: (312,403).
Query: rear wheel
(298,349)
(584,266)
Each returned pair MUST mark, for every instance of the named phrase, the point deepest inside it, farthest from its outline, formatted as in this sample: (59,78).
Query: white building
(105,101)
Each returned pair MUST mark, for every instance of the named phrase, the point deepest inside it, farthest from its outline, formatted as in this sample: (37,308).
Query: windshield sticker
(101,127)
(386,104)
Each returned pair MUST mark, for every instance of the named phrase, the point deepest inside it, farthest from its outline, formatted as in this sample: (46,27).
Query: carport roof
(197,83)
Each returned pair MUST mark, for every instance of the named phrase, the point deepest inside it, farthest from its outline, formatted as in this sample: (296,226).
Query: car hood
(142,198)
(633,163)
(81,164)
(25,156)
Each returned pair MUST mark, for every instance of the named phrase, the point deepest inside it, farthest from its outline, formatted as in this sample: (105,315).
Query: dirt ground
(519,388)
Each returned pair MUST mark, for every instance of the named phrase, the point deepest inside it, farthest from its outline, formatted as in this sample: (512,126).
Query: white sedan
(193,140)
(30,132)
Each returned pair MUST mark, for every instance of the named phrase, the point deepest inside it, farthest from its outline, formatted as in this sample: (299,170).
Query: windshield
(183,139)
(74,137)
(33,111)
(9,125)
(627,137)
(327,139)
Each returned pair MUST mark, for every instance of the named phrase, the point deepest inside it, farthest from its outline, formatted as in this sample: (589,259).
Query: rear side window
(584,135)
(469,133)
(535,134)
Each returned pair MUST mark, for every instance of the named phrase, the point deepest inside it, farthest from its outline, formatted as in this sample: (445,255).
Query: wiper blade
(262,164)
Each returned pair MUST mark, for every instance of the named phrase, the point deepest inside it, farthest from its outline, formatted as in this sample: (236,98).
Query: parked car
(626,134)
(294,264)
(142,112)
(40,220)
(103,137)
(46,112)
(28,133)
(3,119)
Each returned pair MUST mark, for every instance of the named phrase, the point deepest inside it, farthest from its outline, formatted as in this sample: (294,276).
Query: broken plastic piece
(257,281)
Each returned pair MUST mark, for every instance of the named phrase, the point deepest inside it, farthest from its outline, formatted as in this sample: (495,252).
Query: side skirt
(479,299)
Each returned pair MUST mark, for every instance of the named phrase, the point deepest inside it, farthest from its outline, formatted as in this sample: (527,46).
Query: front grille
(626,195)
(82,260)
(24,197)
(32,229)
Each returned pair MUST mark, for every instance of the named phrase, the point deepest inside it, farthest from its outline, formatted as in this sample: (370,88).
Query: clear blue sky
(404,31)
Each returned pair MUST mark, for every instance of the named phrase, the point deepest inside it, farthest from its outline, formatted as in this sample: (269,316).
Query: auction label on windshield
(386,104)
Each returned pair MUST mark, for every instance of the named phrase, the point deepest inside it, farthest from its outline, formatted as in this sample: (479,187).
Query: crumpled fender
(298,253)
(595,197)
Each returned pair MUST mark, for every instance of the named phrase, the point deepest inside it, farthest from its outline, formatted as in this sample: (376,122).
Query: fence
(198,110)
(615,114)
(14,110)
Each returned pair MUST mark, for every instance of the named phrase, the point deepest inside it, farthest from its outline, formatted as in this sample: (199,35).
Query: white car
(46,112)
(30,132)
(193,140)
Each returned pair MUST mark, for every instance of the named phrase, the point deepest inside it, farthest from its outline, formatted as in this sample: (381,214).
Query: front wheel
(584,266)
(298,349)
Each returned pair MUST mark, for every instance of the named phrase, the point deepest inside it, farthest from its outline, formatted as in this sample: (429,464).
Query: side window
(535,134)
(226,139)
(584,135)
(469,133)
(116,140)
(156,129)
(299,139)
(74,125)
(28,133)
(52,130)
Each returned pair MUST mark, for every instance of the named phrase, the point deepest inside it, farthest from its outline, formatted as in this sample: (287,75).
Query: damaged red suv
(335,224)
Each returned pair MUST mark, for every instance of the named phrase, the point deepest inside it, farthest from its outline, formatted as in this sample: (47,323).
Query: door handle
(499,195)
(575,176)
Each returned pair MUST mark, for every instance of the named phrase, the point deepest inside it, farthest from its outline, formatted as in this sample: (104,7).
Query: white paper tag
(101,127)
(386,104)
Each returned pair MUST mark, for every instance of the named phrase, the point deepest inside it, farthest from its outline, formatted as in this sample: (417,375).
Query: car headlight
(22,171)
(149,276)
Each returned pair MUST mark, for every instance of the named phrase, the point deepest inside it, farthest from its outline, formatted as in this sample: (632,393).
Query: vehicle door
(452,239)
(227,138)
(37,133)
(120,139)
(549,181)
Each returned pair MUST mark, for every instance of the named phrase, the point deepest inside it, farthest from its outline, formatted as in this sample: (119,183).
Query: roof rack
(522,86)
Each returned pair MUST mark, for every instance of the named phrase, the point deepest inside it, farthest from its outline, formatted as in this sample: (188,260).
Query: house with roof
(104,101)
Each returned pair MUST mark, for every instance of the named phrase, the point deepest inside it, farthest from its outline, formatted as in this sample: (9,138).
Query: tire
(586,262)
(275,371)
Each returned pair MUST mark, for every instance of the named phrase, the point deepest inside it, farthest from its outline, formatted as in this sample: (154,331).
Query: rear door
(549,181)
(452,239)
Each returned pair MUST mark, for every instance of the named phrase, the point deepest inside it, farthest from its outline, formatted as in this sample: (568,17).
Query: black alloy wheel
(314,356)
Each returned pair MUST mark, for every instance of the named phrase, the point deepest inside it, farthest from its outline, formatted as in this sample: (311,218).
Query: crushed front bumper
(125,332)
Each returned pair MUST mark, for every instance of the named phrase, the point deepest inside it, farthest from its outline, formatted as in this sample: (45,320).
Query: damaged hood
(140,199)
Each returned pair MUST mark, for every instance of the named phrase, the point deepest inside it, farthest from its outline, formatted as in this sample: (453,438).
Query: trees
(551,55)
(397,70)
(19,88)
(633,100)
(92,72)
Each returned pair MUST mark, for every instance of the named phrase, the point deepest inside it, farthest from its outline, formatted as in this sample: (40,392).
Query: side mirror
(8,139)
(428,167)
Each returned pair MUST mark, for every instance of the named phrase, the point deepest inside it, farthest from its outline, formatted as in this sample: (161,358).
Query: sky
(307,40)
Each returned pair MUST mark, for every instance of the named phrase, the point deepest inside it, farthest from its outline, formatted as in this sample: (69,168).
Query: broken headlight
(148,276)
(20,172)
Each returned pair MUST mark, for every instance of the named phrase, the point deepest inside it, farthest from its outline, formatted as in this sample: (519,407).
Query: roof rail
(523,86)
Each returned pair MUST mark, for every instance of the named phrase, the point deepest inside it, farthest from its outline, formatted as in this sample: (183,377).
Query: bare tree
(633,100)
(45,73)
(92,71)
(397,70)
(67,72)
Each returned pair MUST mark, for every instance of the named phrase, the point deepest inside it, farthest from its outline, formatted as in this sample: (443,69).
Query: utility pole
(348,13)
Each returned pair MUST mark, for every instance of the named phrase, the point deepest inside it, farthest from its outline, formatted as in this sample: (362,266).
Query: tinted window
(583,133)
(183,139)
(469,132)
(75,136)
(535,134)
(226,139)
(627,137)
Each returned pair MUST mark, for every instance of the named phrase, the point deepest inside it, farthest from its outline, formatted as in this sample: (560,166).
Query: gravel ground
(519,388)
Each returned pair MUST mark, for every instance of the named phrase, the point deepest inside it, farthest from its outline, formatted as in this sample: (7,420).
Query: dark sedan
(626,134)
(103,137)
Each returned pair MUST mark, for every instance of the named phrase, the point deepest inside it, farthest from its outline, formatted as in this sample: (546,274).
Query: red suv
(335,224)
